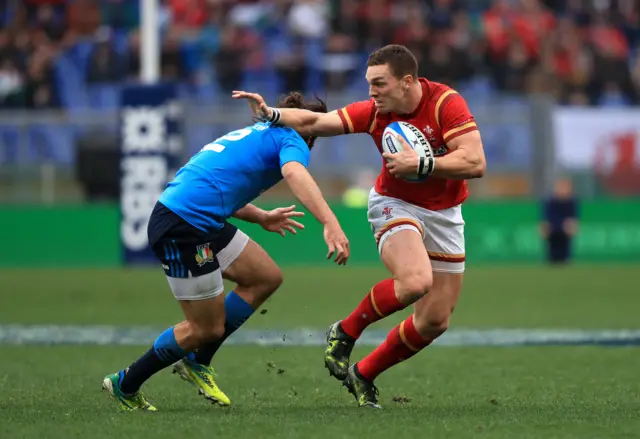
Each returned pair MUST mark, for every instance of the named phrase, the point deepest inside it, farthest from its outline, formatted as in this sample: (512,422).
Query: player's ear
(407,82)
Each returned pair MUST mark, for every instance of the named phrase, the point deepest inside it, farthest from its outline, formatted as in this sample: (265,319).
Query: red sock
(380,302)
(402,343)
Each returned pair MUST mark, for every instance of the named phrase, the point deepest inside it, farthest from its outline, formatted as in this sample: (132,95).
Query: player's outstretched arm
(307,191)
(305,122)
(310,124)
(250,213)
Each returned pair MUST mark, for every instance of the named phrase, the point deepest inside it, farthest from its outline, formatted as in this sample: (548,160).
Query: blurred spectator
(120,14)
(228,59)
(83,17)
(560,222)
(308,18)
(41,89)
(582,52)
(105,64)
(188,14)
(172,66)
(53,25)
(11,85)
(340,62)
(441,14)
(291,66)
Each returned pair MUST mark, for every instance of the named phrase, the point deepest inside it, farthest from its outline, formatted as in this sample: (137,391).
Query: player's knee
(272,280)
(208,333)
(431,324)
(416,285)
(266,283)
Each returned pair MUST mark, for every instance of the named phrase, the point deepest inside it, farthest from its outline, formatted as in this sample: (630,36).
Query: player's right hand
(337,243)
(256,102)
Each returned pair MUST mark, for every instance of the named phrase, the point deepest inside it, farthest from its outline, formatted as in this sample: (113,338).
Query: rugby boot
(127,403)
(337,351)
(365,392)
(203,378)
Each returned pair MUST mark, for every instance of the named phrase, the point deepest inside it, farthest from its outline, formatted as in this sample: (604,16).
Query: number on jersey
(232,136)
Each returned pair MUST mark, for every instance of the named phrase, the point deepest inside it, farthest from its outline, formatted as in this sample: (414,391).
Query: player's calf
(404,254)
(257,277)
(432,313)
(431,323)
(403,342)
(381,301)
(385,298)
(204,322)
(192,335)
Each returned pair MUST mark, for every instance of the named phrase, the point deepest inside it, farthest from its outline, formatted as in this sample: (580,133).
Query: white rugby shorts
(442,231)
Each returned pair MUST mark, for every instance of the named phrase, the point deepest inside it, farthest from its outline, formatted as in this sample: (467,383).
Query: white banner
(603,139)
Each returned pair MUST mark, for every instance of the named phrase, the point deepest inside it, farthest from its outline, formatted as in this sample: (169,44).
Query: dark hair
(400,60)
(296,100)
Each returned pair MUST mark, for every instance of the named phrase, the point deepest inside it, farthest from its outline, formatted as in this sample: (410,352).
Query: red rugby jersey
(442,115)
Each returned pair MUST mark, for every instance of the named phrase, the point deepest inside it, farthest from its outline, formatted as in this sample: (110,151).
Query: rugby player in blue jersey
(189,233)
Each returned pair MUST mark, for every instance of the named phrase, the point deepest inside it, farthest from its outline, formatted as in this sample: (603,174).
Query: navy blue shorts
(184,250)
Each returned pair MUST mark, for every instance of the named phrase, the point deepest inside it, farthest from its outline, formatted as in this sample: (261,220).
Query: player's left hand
(256,102)
(280,220)
(402,163)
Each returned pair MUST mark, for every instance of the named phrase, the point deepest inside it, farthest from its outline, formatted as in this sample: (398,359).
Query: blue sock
(164,352)
(237,311)
(166,347)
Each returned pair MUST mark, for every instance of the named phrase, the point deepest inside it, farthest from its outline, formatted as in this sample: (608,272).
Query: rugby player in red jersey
(418,227)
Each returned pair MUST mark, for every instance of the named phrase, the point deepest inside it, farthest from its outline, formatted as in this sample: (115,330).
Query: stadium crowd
(583,52)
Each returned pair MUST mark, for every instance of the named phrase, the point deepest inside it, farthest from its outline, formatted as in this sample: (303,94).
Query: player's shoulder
(364,105)
(359,116)
(272,130)
(283,134)
(438,91)
(284,131)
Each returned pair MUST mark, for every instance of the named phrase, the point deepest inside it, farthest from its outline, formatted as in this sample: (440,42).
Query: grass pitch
(544,392)
(284,392)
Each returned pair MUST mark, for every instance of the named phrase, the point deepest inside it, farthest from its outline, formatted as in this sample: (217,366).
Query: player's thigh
(444,239)
(244,261)
(191,266)
(433,311)
(254,267)
(193,272)
(398,232)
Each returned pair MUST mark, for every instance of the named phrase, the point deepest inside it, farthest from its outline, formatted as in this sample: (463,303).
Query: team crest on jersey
(387,212)
(429,131)
(439,150)
(204,254)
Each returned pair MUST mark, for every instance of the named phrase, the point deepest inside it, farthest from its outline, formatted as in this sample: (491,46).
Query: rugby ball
(413,136)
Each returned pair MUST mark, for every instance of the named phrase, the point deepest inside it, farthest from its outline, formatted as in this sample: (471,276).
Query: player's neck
(412,99)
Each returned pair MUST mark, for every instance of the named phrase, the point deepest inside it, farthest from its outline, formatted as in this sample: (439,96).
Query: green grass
(509,296)
(503,393)
(548,392)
